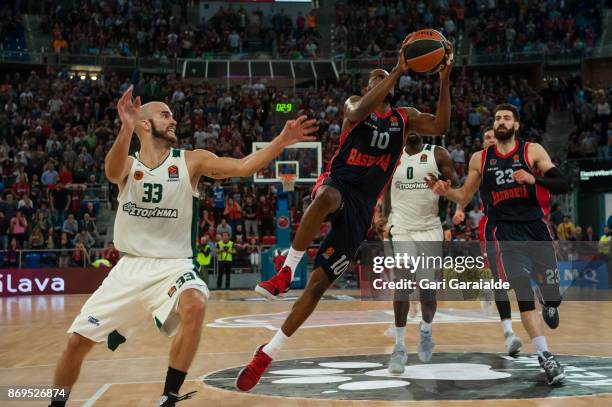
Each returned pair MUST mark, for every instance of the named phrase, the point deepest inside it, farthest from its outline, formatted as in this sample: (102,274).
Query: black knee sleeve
(521,285)
(503,308)
(525,306)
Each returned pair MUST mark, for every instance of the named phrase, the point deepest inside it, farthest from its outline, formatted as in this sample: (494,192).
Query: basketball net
(288,181)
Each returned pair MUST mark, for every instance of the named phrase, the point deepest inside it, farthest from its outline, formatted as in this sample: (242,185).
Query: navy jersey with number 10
(368,153)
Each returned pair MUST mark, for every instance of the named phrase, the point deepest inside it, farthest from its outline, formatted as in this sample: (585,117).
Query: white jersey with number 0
(414,207)
(157,213)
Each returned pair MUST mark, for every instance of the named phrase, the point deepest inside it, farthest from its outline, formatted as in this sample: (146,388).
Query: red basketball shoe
(277,286)
(249,376)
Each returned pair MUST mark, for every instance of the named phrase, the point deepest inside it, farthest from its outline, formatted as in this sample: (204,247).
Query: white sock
(540,344)
(272,347)
(507,324)
(400,333)
(293,259)
(425,326)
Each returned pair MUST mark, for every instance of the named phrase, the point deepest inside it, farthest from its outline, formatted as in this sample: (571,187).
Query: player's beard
(505,135)
(162,134)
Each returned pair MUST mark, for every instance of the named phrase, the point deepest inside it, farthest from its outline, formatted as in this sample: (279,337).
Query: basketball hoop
(288,181)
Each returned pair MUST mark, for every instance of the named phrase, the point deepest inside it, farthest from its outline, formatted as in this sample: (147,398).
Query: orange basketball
(426,51)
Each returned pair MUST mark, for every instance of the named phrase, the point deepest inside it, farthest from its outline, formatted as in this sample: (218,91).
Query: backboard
(302,159)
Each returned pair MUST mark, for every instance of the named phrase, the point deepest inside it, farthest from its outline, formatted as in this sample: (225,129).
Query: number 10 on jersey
(380,140)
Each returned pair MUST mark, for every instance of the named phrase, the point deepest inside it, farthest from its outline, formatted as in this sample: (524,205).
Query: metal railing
(176,65)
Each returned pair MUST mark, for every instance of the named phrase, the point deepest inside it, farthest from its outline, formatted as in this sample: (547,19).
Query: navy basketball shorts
(523,251)
(349,228)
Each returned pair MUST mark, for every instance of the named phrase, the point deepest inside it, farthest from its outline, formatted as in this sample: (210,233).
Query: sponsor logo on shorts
(171,291)
(173,172)
(93,320)
(328,252)
(134,210)
(138,175)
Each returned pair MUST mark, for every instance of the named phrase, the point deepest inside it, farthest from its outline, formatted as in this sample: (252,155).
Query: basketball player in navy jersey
(511,340)
(370,147)
(515,178)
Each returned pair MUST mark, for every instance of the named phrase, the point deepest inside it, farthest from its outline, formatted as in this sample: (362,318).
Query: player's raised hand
(438,186)
(458,217)
(523,177)
(402,63)
(448,64)
(128,108)
(298,130)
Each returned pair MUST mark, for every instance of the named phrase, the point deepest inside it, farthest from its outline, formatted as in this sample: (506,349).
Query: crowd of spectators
(531,25)
(146,28)
(496,26)
(383,25)
(591,114)
(56,128)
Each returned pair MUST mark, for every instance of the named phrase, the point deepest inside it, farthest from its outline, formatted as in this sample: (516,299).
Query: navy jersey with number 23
(503,198)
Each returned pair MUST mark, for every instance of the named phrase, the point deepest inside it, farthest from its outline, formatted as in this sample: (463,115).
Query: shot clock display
(284,107)
(281,112)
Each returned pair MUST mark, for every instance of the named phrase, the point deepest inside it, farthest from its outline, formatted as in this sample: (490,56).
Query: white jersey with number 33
(158,209)
(414,207)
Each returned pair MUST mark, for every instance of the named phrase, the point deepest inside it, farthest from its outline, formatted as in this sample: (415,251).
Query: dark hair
(488,128)
(510,107)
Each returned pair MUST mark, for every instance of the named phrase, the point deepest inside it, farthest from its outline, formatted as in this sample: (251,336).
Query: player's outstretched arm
(210,165)
(447,169)
(463,195)
(553,179)
(357,108)
(117,163)
(428,124)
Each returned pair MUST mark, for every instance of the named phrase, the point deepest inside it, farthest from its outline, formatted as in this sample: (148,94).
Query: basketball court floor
(338,359)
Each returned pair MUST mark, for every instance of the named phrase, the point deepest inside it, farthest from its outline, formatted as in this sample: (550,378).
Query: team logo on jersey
(366,160)
(393,120)
(373,117)
(492,161)
(134,210)
(515,157)
(423,158)
(138,175)
(173,172)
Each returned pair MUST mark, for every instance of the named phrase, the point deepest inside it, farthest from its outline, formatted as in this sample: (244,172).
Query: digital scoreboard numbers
(284,107)
(281,112)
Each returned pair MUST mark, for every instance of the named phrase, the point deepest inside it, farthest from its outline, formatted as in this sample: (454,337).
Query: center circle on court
(449,376)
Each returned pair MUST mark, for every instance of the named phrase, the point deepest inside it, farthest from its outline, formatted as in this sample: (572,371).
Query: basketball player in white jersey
(156,227)
(413,216)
